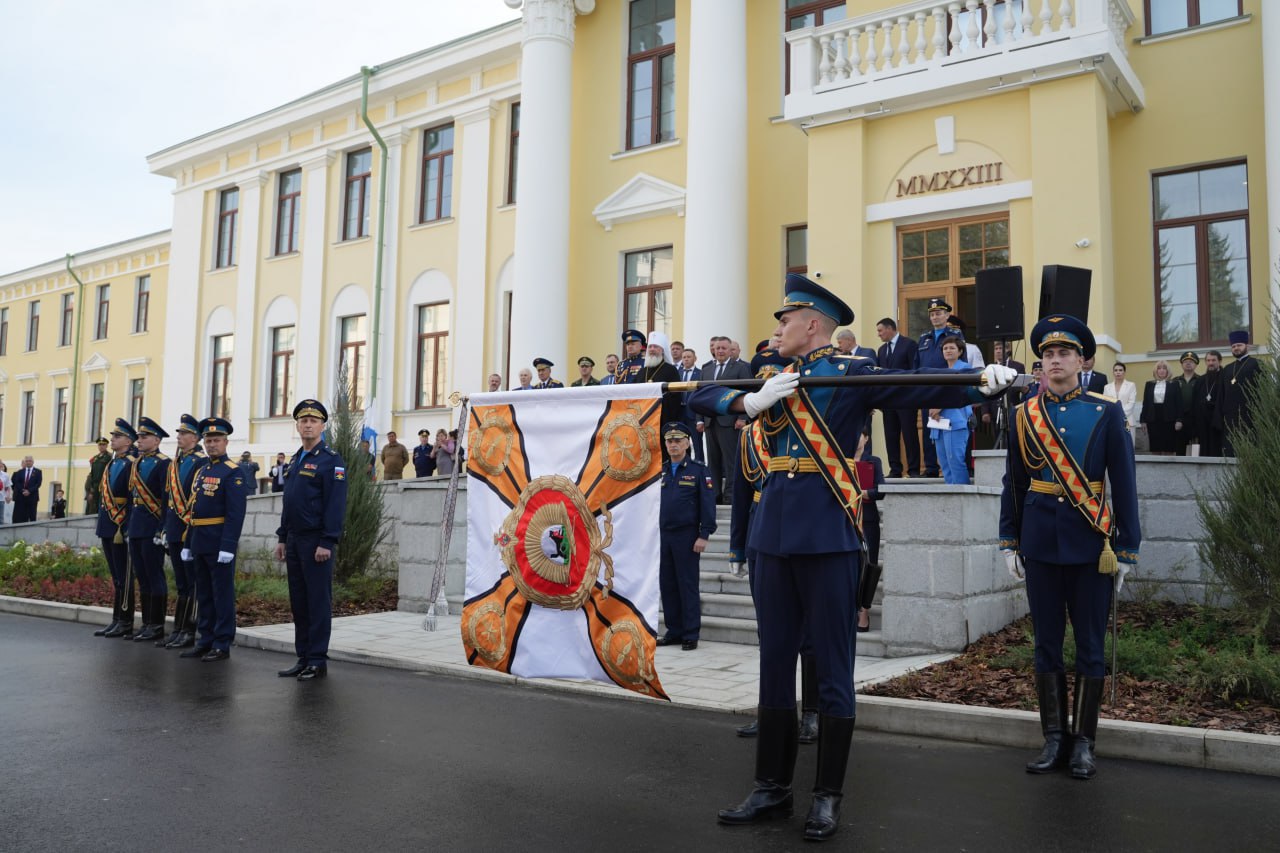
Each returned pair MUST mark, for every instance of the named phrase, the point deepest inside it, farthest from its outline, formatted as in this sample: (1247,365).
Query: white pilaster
(378,415)
(315,247)
(539,322)
(715,222)
(177,394)
(1271,124)
(246,299)
(472,165)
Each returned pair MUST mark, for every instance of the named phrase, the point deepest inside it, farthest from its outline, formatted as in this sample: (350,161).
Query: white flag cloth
(562,533)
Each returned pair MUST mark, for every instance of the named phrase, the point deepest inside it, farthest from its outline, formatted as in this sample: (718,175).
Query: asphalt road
(107,745)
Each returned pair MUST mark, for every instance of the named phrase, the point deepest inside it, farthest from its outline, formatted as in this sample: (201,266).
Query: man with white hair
(658,367)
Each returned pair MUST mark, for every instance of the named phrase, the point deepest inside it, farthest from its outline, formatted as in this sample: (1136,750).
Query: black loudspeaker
(1065,290)
(999,303)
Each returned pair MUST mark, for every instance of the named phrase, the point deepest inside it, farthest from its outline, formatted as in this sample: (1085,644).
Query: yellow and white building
(674,159)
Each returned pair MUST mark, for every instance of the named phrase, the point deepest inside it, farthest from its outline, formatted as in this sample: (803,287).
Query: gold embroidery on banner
(491,443)
(486,632)
(626,447)
(622,650)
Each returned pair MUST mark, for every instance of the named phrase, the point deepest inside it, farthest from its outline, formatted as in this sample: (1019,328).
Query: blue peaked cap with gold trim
(215,426)
(800,292)
(311,409)
(188,423)
(126,429)
(146,426)
(1063,330)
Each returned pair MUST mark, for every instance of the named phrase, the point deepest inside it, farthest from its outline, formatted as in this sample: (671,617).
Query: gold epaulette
(1098,396)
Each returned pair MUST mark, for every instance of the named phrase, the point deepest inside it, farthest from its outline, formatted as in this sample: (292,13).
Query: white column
(311,298)
(539,321)
(177,390)
(378,414)
(467,335)
(247,255)
(1271,125)
(715,221)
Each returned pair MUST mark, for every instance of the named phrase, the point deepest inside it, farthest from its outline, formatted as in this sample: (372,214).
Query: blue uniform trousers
(950,446)
(813,595)
(310,597)
(148,561)
(183,572)
(678,583)
(216,601)
(1083,593)
(117,556)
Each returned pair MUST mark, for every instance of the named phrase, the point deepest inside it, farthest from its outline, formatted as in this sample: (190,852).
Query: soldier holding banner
(807,540)
(1057,530)
(113,520)
(178,499)
(146,554)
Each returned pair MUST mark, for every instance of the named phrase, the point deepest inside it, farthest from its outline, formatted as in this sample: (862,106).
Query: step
(730,605)
(722,581)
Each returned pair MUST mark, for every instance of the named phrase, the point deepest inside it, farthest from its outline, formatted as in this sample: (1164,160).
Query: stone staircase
(728,615)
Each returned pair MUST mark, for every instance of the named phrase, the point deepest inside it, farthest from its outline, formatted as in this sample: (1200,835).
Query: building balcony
(923,54)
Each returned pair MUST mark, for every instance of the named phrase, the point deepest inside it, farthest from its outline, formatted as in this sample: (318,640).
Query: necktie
(719,368)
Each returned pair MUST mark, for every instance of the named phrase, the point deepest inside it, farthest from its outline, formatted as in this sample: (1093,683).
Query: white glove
(1122,569)
(186,555)
(225,556)
(160,540)
(1013,563)
(996,378)
(775,388)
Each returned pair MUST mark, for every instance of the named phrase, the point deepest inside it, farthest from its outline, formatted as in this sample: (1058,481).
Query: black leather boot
(103,631)
(834,736)
(153,607)
(1051,689)
(179,605)
(808,699)
(1084,726)
(751,729)
(775,763)
(122,619)
(144,604)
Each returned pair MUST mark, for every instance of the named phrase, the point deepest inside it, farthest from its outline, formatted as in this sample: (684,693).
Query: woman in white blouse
(1125,391)
(6,495)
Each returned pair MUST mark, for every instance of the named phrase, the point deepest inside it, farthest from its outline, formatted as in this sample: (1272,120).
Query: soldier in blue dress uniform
(632,363)
(929,354)
(213,536)
(113,523)
(543,366)
(686,522)
(1056,529)
(315,504)
(182,472)
(806,543)
(424,464)
(146,519)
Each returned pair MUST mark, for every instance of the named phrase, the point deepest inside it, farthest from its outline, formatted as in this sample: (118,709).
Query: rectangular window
(4,331)
(355,209)
(220,388)
(647,290)
(96,394)
(1201,254)
(28,416)
(941,259)
(798,249)
(513,153)
(67,316)
(437,174)
(228,210)
(1166,16)
(59,415)
(33,325)
(351,358)
(802,14)
(137,394)
(433,338)
(282,344)
(290,196)
(141,303)
(103,313)
(651,73)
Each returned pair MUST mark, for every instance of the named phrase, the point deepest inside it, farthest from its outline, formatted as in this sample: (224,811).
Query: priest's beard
(652,360)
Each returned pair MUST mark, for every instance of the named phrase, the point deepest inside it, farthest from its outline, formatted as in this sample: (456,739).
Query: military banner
(562,533)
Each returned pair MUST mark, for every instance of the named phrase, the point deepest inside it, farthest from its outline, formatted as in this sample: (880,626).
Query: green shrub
(363,528)
(55,561)
(265,586)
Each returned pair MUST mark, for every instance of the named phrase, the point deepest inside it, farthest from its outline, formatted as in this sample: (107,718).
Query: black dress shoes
(668,641)
(102,632)
(216,655)
(197,652)
(310,673)
(688,645)
(293,671)
(149,632)
(119,629)
(751,729)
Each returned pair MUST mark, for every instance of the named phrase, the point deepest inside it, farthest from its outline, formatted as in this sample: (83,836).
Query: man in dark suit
(1233,406)
(898,353)
(721,431)
(1090,380)
(690,372)
(26,491)
(847,343)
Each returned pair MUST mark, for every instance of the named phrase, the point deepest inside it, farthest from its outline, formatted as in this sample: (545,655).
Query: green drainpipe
(366,72)
(75,378)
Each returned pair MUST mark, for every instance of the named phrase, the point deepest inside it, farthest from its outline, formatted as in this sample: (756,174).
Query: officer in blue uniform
(113,524)
(686,521)
(217,516)
(1055,529)
(807,546)
(182,472)
(424,464)
(543,366)
(315,504)
(929,354)
(632,363)
(146,521)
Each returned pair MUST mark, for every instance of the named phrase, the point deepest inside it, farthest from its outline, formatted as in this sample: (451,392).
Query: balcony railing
(930,52)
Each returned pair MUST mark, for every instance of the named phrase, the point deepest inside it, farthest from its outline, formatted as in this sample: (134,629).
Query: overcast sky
(89,88)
